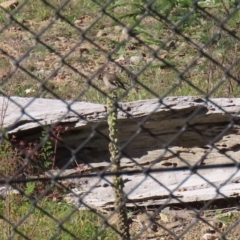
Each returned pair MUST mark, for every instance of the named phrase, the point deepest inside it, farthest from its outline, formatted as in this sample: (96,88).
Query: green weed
(35,224)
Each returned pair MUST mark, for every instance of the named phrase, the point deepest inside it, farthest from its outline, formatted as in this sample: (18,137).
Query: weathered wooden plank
(192,129)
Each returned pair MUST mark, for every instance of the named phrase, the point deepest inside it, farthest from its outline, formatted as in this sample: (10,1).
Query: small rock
(171,45)
(100,33)
(29,90)
(77,22)
(124,34)
(6,191)
(120,59)
(209,236)
(136,59)
(174,224)
(164,217)
(12,4)
(117,29)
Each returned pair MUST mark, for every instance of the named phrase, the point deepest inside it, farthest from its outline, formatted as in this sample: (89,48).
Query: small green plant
(30,187)
(9,160)
(46,152)
(218,211)
(30,191)
(82,224)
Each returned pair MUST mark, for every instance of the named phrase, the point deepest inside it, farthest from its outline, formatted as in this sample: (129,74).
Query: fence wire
(167,72)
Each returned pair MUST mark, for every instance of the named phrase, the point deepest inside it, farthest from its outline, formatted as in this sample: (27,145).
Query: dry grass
(42,62)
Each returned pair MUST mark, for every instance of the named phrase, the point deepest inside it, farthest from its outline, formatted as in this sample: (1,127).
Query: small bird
(111,81)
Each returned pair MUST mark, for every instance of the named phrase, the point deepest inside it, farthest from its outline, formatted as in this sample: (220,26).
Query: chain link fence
(96,140)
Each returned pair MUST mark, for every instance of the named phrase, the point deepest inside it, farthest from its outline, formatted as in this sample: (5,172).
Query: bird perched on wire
(113,82)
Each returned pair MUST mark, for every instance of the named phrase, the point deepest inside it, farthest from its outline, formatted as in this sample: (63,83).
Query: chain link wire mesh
(178,156)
